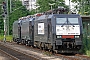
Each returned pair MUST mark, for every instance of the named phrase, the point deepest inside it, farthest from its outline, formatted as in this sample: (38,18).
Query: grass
(88,52)
(8,38)
(47,53)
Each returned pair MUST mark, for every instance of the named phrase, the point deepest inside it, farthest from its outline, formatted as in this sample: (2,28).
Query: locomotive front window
(61,20)
(73,20)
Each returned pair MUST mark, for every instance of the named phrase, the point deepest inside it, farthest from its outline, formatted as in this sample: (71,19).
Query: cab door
(19,32)
(49,30)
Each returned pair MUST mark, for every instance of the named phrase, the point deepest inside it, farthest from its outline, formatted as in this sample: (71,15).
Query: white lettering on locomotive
(67,30)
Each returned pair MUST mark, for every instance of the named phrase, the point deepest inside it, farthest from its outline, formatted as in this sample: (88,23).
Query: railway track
(73,57)
(16,55)
(49,54)
(82,57)
(69,57)
(8,56)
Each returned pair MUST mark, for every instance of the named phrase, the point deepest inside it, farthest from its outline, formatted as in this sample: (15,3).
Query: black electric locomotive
(59,32)
(56,32)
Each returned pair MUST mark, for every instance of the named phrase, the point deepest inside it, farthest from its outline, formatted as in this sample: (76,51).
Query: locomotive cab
(68,33)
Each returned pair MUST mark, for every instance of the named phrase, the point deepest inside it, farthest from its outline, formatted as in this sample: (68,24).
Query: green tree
(44,4)
(17,11)
(83,6)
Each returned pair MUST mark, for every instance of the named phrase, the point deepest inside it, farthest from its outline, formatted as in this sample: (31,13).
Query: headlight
(58,36)
(76,36)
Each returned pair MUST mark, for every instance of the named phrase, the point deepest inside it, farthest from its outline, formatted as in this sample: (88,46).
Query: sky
(67,3)
(71,5)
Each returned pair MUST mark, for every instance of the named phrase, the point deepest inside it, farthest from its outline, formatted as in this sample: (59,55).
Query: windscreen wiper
(71,24)
(64,23)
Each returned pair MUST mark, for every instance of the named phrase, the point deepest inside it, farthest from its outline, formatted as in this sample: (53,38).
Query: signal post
(4,7)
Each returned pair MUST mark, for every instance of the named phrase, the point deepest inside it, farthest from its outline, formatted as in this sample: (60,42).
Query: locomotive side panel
(24,30)
(43,32)
(40,31)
